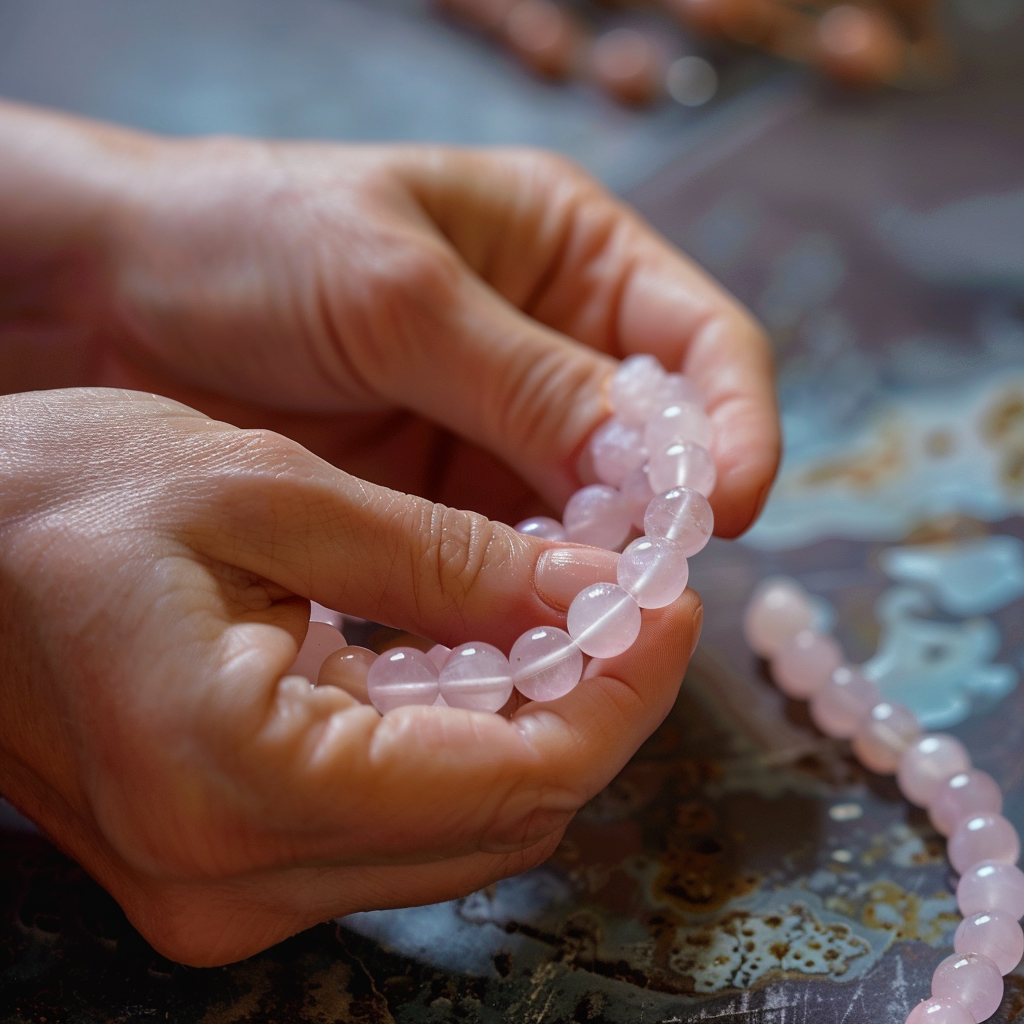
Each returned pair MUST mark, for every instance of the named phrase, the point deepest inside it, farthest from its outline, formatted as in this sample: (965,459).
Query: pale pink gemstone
(542,526)
(636,388)
(682,515)
(347,669)
(597,515)
(636,495)
(545,663)
(677,388)
(438,655)
(320,613)
(883,735)
(778,610)
(616,449)
(972,980)
(804,665)
(678,423)
(985,837)
(940,1011)
(963,796)
(681,465)
(476,676)
(927,763)
(991,886)
(603,620)
(321,640)
(840,705)
(399,677)
(653,570)
(994,934)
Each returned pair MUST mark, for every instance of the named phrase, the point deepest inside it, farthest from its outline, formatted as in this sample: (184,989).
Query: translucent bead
(985,837)
(476,676)
(616,449)
(399,677)
(546,664)
(928,763)
(682,515)
(991,886)
(635,390)
(321,613)
(321,640)
(677,424)
(972,980)
(603,620)
(636,495)
(438,655)
(542,526)
(347,669)
(805,664)
(596,515)
(882,737)
(681,465)
(940,1011)
(840,706)
(994,934)
(677,388)
(778,610)
(963,796)
(653,571)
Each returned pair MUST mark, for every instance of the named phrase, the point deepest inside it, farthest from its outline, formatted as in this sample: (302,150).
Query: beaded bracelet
(933,771)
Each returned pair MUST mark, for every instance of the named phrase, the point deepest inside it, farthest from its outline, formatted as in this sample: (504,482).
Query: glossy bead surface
(778,610)
(596,515)
(939,1010)
(348,669)
(320,613)
(603,620)
(994,934)
(653,571)
(804,665)
(963,796)
(476,676)
(400,677)
(840,706)
(884,734)
(438,655)
(682,515)
(545,663)
(542,526)
(681,465)
(635,389)
(990,886)
(616,449)
(984,837)
(321,640)
(677,423)
(636,495)
(928,763)
(972,980)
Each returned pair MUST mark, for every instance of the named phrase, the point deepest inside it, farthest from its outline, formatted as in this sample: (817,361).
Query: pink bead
(677,388)
(778,610)
(320,613)
(990,886)
(546,664)
(476,676)
(677,424)
(984,837)
(805,664)
(653,571)
(682,515)
(972,980)
(681,465)
(321,641)
(636,388)
(603,620)
(542,526)
(994,934)
(400,677)
(927,763)
(963,796)
(438,655)
(616,449)
(348,669)
(939,1011)
(841,704)
(596,515)
(636,495)
(885,732)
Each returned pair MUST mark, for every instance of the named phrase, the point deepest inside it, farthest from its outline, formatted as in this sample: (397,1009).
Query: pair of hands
(379,324)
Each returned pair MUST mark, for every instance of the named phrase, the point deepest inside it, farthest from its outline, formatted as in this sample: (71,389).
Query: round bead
(927,763)
(596,515)
(603,620)
(653,571)
(991,886)
(676,424)
(616,449)
(399,677)
(682,465)
(438,655)
(805,664)
(964,795)
(542,526)
(545,663)
(779,609)
(972,980)
(321,640)
(677,388)
(985,837)
(636,495)
(635,389)
(885,732)
(684,516)
(939,1010)
(321,613)
(839,707)
(994,934)
(476,676)
(347,669)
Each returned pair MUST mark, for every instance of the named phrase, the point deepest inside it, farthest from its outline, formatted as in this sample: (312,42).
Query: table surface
(741,868)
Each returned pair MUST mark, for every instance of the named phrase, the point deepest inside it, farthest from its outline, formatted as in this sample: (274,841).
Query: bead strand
(933,771)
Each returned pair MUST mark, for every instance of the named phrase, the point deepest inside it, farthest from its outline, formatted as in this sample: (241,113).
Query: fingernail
(698,623)
(561,573)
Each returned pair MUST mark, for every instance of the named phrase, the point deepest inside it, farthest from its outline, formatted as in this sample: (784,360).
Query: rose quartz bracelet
(933,771)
